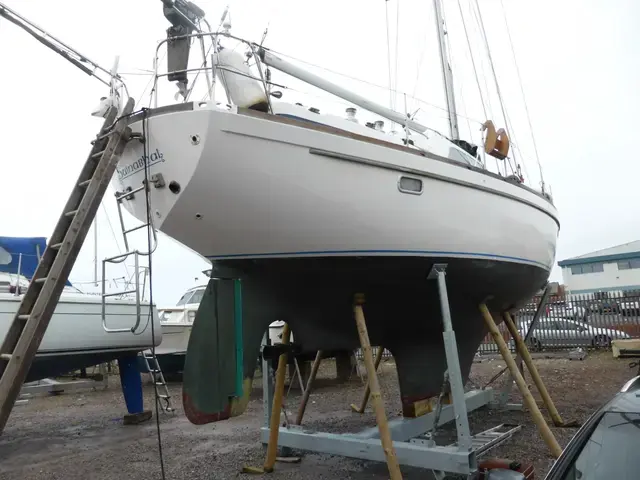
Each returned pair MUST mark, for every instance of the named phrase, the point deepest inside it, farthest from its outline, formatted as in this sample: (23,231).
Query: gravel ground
(80,435)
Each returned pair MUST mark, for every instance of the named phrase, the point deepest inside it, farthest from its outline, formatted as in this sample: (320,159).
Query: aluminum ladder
(484,441)
(158,380)
(32,318)
(481,442)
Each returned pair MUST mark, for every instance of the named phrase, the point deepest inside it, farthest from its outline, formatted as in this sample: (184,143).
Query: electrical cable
(145,140)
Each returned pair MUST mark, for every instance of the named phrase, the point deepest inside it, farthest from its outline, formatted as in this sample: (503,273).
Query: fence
(571,321)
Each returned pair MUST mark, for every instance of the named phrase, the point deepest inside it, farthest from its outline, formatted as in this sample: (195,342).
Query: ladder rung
(56,246)
(122,195)
(97,154)
(23,316)
(104,135)
(136,228)
(5,356)
(163,396)
(160,383)
(40,280)
(85,183)
(72,213)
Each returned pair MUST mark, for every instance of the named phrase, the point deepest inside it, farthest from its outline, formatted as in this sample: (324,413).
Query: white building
(612,269)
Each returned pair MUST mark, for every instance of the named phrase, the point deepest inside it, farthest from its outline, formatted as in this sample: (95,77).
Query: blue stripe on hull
(421,253)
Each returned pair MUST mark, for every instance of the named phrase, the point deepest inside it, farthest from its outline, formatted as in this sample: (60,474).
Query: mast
(446,72)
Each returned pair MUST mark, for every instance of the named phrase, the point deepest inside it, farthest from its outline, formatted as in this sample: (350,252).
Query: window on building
(629,264)
(587,268)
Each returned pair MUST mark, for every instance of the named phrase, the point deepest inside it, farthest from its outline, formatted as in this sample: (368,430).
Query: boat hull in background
(75,337)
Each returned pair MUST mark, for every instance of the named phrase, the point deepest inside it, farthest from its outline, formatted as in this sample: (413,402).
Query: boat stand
(412,441)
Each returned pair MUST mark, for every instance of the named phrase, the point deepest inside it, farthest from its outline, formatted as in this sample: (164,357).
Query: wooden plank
(626,344)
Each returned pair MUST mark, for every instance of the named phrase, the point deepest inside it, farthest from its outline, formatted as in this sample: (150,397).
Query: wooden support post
(376,399)
(526,357)
(367,390)
(530,402)
(307,390)
(274,425)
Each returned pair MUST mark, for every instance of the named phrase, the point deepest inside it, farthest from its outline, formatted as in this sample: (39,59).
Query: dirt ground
(80,435)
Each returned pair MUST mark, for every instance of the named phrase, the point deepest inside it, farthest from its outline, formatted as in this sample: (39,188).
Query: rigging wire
(386,14)
(395,68)
(524,99)
(495,78)
(419,67)
(515,146)
(481,62)
(473,63)
(150,83)
(366,82)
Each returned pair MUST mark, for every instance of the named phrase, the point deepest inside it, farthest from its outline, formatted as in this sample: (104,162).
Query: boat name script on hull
(128,170)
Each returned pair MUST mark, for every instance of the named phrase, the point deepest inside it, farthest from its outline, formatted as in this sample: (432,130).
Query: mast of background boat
(446,72)
(278,63)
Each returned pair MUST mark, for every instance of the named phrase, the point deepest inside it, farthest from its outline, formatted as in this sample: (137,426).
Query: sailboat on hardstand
(297,211)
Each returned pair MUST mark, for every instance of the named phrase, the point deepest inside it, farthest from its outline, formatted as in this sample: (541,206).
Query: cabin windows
(410,185)
(183,300)
(197,296)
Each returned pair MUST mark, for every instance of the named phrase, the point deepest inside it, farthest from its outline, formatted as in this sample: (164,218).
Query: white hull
(175,339)
(255,188)
(76,326)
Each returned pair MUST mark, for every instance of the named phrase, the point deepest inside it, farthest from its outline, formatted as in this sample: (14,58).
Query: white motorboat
(75,337)
(176,322)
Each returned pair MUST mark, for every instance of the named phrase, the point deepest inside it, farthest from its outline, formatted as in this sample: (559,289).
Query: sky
(577,61)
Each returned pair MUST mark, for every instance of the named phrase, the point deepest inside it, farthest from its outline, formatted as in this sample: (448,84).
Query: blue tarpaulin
(24,250)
